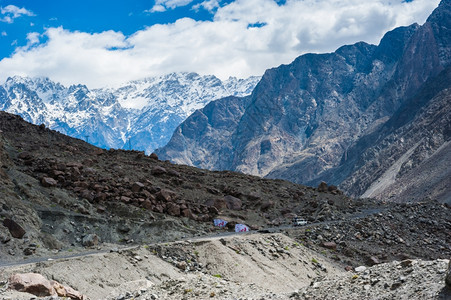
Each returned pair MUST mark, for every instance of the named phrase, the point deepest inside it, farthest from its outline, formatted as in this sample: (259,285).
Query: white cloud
(226,46)
(163,5)
(32,39)
(11,12)
(209,5)
(4,33)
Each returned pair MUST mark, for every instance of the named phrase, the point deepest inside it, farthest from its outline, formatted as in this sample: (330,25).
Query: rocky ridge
(139,115)
(65,190)
(332,117)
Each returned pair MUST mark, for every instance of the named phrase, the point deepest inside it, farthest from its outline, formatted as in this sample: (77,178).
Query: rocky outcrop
(40,286)
(205,139)
(411,151)
(15,229)
(32,283)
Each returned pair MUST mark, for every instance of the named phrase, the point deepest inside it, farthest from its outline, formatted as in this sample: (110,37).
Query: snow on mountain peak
(141,113)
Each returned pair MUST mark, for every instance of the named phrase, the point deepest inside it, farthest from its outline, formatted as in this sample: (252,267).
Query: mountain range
(374,120)
(139,115)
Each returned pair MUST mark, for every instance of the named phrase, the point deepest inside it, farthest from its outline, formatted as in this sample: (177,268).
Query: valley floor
(245,266)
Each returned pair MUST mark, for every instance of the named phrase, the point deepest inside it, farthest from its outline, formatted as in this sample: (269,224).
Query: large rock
(233,203)
(66,291)
(322,187)
(48,182)
(137,187)
(90,240)
(15,229)
(165,195)
(173,209)
(32,283)
(330,245)
(217,203)
(157,170)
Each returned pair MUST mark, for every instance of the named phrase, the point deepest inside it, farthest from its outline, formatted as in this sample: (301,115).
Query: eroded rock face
(311,120)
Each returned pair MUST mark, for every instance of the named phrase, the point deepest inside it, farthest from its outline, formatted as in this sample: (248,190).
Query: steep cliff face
(208,128)
(409,157)
(303,118)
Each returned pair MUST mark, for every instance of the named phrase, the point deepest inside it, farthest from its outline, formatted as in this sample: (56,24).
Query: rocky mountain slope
(120,224)
(312,120)
(62,189)
(139,115)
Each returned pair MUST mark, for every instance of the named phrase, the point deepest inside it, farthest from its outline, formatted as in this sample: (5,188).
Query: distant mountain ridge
(139,115)
(313,119)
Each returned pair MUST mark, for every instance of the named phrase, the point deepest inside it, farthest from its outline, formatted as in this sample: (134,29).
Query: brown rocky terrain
(116,224)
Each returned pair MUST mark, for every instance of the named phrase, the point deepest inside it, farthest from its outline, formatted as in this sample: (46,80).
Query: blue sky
(99,43)
(88,16)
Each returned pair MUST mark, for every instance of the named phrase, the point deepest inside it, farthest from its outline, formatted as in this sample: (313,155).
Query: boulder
(213,210)
(30,250)
(32,283)
(233,203)
(15,229)
(137,187)
(147,204)
(373,260)
(126,199)
(174,173)
(219,204)
(165,195)
(330,245)
(158,171)
(267,205)
(5,237)
(322,187)
(73,294)
(181,265)
(99,196)
(87,194)
(187,213)
(90,240)
(25,155)
(158,208)
(48,182)
(173,209)
(153,156)
(360,269)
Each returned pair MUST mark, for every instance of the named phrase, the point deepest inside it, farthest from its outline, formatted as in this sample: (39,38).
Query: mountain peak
(441,13)
(142,113)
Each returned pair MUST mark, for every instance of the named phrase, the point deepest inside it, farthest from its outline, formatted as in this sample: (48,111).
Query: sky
(103,43)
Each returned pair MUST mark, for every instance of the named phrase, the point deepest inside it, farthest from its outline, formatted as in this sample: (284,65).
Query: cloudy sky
(108,42)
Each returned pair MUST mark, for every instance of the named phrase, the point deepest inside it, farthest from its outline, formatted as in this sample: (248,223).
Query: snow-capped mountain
(139,115)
